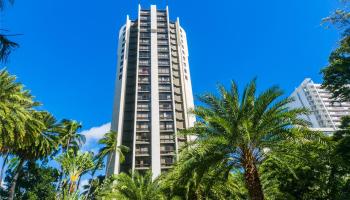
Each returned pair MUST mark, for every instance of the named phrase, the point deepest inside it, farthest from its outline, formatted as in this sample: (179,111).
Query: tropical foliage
(247,146)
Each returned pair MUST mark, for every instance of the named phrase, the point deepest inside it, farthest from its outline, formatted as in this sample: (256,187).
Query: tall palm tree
(39,147)
(69,136)
(133,187)
(110,146)
(237,132)
(16,106)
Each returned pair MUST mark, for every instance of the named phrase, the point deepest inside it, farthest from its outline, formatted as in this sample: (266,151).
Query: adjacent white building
(153,92)
(325,114)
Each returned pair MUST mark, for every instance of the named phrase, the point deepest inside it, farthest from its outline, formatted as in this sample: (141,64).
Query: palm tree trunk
(251,176)
(3,167)
(15,178)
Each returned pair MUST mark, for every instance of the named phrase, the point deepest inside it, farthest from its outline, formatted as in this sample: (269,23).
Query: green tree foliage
(134,186)
(337,74)
(36,148)
(238,132)
(35,182)
(73,166)
(109,147)
(16,113)
(90,190)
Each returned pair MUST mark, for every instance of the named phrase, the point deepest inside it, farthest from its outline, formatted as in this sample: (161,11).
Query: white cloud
(94,134)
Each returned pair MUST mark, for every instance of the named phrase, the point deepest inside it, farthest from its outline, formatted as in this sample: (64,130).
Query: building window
(144,79)
(143,107)
(166,125)
(164,79)
(166,115)
(144,96)
(120,77)
(142,126)
(164,96)
(165,106)
(164,70)
(165,88)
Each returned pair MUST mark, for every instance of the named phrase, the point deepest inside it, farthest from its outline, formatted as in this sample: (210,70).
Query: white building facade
(153,93)
(325,113)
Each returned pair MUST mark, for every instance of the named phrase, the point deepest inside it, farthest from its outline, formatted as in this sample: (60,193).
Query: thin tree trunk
(251,176)
(15,178)
(109,162)
(3,167)
(91,182)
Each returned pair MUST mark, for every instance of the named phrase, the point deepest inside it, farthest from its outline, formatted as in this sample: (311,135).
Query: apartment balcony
(144,73)
(166,118)
(167,141)
(142,141)
(162,36)
(164,56)
(141,153)
(165,109)
(163,42)
(143,109)
(161,19)
(145,62)
(140,129)
(144,82)
(166,130)
(145,42)
(164,50)
(167,152)
(142,166)
(143,119)
(163,63)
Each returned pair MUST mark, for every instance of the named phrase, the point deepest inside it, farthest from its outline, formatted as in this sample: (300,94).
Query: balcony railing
(167,152)
(142,165)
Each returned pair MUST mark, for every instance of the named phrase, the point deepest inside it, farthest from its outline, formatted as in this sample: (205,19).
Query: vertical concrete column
(155,138)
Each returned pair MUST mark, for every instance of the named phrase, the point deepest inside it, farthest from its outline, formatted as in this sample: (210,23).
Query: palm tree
(6,46)
(91,188)
(69,136)
(133,187)
(39,147)
(110,146)
(214,184)
(74,164)
(237,132)
(16,106)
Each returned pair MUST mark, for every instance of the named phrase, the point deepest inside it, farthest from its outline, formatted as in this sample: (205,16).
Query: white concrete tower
(325,112)
(153,92)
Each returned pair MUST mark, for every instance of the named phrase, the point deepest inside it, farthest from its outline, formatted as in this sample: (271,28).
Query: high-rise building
(153,92)
(325,113)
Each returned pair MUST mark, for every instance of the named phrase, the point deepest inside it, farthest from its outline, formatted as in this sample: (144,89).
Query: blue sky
(68,48)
